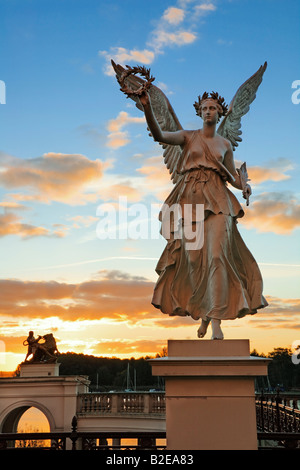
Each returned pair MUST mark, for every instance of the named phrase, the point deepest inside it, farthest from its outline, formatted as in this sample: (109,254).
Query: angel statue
(218,279)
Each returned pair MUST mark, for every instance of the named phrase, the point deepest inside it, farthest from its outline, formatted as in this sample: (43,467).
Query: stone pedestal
(37,369)
(210,396)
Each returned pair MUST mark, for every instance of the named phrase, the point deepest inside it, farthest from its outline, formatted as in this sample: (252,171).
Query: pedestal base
(39,369)
(210,396)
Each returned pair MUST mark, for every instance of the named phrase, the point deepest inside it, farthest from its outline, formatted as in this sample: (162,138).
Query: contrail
(141,258)
(98,260)
(281,265)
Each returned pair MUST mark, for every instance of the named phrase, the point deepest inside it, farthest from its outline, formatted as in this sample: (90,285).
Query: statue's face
(210,111)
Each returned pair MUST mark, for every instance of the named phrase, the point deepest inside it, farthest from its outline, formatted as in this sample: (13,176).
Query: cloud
(174,15)
(204,8)
(111,296)
(275,170)
(273,212)
(11,224)
(114,295)
(53,176)
(280,313)
(124,56)
(162,38)
(175,27)
(124,346)
(259,174)
(116,137)
(109,306)
(9,205)
(157,177)
(83,221)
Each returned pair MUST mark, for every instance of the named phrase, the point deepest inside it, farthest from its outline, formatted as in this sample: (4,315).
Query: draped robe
(219,279)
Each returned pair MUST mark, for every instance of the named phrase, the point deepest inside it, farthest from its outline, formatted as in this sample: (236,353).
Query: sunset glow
(72,144)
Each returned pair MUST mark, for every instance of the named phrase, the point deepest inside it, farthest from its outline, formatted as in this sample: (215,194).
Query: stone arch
(10,417)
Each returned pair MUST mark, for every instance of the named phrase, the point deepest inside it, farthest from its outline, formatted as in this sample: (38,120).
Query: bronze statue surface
(41,352)
(217,279)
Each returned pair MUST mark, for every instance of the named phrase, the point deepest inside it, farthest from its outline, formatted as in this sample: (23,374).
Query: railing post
(278,400)
(147,398)
(114,403)
(262,411)
(116,442)
(73,435)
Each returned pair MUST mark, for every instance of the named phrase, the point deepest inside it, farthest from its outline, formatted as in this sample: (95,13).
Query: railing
(34,440)
(99,440)
(150,403)
(278,422)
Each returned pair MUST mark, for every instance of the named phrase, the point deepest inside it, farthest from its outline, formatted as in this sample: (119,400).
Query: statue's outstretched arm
(161,117)
(163,137)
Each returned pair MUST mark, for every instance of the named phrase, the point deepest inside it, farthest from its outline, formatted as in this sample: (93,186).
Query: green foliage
(109,373)
(282,372)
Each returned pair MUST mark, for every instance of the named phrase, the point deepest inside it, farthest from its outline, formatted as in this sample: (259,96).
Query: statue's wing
(164,114)
(230,127)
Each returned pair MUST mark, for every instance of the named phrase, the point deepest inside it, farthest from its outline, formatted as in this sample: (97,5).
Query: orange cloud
(174,15)
(53,176)
(273,212)
(10,224)
(259,174)
(116,137)
(115,307)
(280,313)
(124,56)
(275,170)
(128,347)
(7,205)
(114,295)
(85,221)
(164,38)
(157,177)
(166,33)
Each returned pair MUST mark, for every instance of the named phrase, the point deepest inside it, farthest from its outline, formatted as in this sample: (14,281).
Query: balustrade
(127,402)
(277,421)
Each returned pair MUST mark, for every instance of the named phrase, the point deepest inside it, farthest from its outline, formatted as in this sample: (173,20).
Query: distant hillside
(110,373)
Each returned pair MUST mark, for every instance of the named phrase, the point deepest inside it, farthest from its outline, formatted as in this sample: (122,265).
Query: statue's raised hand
(144,99)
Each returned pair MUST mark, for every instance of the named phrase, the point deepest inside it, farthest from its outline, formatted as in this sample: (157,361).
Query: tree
(282,372)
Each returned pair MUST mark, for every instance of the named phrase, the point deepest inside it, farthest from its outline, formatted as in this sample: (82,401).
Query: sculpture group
(219,280)
(41,349)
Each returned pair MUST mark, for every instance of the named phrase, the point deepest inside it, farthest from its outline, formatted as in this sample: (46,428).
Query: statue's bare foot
(216,329)
(203,328)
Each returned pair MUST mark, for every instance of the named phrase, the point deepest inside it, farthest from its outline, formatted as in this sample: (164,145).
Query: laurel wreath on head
(133,71)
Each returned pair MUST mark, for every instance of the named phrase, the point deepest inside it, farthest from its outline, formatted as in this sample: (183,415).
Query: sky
(73,148)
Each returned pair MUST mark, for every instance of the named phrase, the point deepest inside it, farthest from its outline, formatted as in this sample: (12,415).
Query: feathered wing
(230,127)
(164,114)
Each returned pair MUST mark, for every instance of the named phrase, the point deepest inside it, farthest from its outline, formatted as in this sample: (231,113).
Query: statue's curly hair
(223,108)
